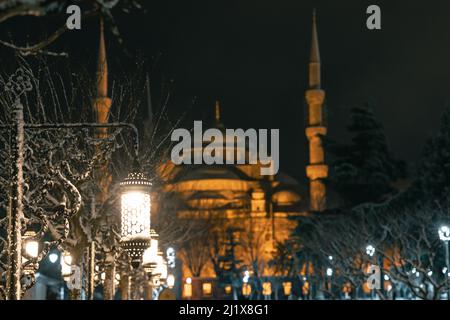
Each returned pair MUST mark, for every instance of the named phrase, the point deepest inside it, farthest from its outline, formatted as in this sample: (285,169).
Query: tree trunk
(16,209)
(91,271)
(124,286)
(109,289)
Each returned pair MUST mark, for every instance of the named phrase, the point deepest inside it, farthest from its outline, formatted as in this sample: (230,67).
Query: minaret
(218,124)
(217,113)
(102,106)
(317,170)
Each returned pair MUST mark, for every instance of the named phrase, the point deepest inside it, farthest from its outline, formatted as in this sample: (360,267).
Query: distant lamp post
(246,276)
(66,265)
(329,272)
(53,257)
(370,250)
(135,214)
(150,255)
(444,235)
(161,268)
(159,275)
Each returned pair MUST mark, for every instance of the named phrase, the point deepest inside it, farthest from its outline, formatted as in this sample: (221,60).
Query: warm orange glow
(228,289)
(246,289)
(287,288)
(267,288)
(305,288)
(187,290)
(207,288)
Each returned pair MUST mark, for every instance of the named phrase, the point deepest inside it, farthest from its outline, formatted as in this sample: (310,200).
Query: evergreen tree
(433,174)
(365,169)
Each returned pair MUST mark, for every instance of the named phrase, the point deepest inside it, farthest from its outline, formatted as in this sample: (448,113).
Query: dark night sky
(253,54)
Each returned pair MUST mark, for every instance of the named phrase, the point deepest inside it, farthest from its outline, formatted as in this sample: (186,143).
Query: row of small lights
(444,235)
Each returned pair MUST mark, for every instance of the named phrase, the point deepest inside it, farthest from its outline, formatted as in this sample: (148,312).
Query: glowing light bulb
(444,233)
(370,250)
(53,257)
(32,248)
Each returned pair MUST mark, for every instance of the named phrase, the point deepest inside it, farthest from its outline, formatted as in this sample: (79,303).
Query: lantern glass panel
(135,215)
(32,248)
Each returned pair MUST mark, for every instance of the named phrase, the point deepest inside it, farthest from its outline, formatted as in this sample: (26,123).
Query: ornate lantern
(135,213)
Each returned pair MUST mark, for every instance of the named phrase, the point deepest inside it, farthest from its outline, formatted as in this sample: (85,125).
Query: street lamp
(370,250)
(53,257)
(161,267)
(135,214)
(329,272)
(444,235)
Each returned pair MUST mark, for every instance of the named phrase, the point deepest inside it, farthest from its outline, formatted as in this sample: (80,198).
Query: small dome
(286,197)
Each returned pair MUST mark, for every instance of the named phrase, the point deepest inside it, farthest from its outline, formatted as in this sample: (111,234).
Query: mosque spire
(217,113)
(102,66)
(316,170)
(314,60)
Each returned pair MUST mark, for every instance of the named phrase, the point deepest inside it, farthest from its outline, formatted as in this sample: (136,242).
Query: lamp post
(18,84)
(150,255)
(66,265)
(370,251)
(71,274)
(328,280)
(151,261)
(444,235)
